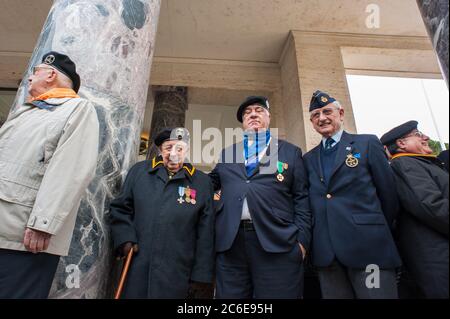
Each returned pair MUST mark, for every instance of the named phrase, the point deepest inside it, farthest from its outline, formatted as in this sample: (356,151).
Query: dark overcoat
(422,226)
(175,237)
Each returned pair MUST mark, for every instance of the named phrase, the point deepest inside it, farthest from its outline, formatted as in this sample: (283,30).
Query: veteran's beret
(65,65)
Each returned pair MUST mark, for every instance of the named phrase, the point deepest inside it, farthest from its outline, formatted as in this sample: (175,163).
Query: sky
(381,103)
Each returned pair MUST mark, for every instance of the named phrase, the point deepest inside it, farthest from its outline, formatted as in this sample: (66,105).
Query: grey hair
(337,104)
(339,107)
(63,80)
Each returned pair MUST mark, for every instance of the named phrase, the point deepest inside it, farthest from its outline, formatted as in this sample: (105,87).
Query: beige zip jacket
(47,159)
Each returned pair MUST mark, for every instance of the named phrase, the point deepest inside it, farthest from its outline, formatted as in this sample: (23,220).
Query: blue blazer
(279,209)
(353,214)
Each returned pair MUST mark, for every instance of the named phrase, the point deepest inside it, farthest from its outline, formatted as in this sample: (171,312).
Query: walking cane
(123,276)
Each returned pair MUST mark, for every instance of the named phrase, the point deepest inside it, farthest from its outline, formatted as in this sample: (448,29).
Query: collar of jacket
(56,93)
(345,137)
(429,158)
(413,155)
(345,147)
(157,163)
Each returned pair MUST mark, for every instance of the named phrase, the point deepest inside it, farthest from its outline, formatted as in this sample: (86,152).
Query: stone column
(112,43)
(171,104)
(435,17)
(295,126)
(311,62)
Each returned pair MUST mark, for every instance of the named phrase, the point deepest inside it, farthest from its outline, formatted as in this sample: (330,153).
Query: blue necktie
(252,152)
(328,143)
(251,165)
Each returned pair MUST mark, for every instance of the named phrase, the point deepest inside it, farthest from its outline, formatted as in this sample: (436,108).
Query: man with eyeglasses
(165,213)
(48,155)
(353,202)
(423,223)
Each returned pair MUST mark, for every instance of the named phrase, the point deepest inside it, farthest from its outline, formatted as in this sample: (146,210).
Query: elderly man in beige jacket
(48,154)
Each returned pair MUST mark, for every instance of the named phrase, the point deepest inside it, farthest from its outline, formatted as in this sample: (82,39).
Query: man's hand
(303,251)
(125,248)
(36,241)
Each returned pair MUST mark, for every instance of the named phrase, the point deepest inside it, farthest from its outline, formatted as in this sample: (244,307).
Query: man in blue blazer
(263,229)
(354,203)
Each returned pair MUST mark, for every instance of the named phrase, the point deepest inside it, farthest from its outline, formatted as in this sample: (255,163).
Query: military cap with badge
(252,100)
(65,65)
(172,134)
(321,99)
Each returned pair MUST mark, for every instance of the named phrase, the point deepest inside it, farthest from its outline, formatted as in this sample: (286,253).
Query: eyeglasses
(37,68)
(419,134)
(326,112)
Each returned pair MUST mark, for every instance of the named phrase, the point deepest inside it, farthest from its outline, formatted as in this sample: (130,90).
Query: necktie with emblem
(329,143)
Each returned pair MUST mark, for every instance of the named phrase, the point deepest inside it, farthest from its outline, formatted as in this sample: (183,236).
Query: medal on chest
(351,161)
(193,196)
(181,193)
(187,195)
(281,167)
(187,192)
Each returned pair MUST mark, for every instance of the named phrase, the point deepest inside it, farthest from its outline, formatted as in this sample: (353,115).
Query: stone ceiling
(237,30)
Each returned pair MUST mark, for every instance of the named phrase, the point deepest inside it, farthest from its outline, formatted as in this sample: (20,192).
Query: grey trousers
(340,282)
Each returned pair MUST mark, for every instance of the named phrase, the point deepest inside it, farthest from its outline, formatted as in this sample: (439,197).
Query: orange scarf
(56,93)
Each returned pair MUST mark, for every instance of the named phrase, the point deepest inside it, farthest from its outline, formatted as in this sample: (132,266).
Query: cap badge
(324,99)
(179,133)
(49,59)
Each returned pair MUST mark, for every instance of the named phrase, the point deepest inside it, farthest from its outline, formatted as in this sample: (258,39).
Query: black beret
(65,65)
(319,100)
(251,100)
(177,133)
(398,132)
